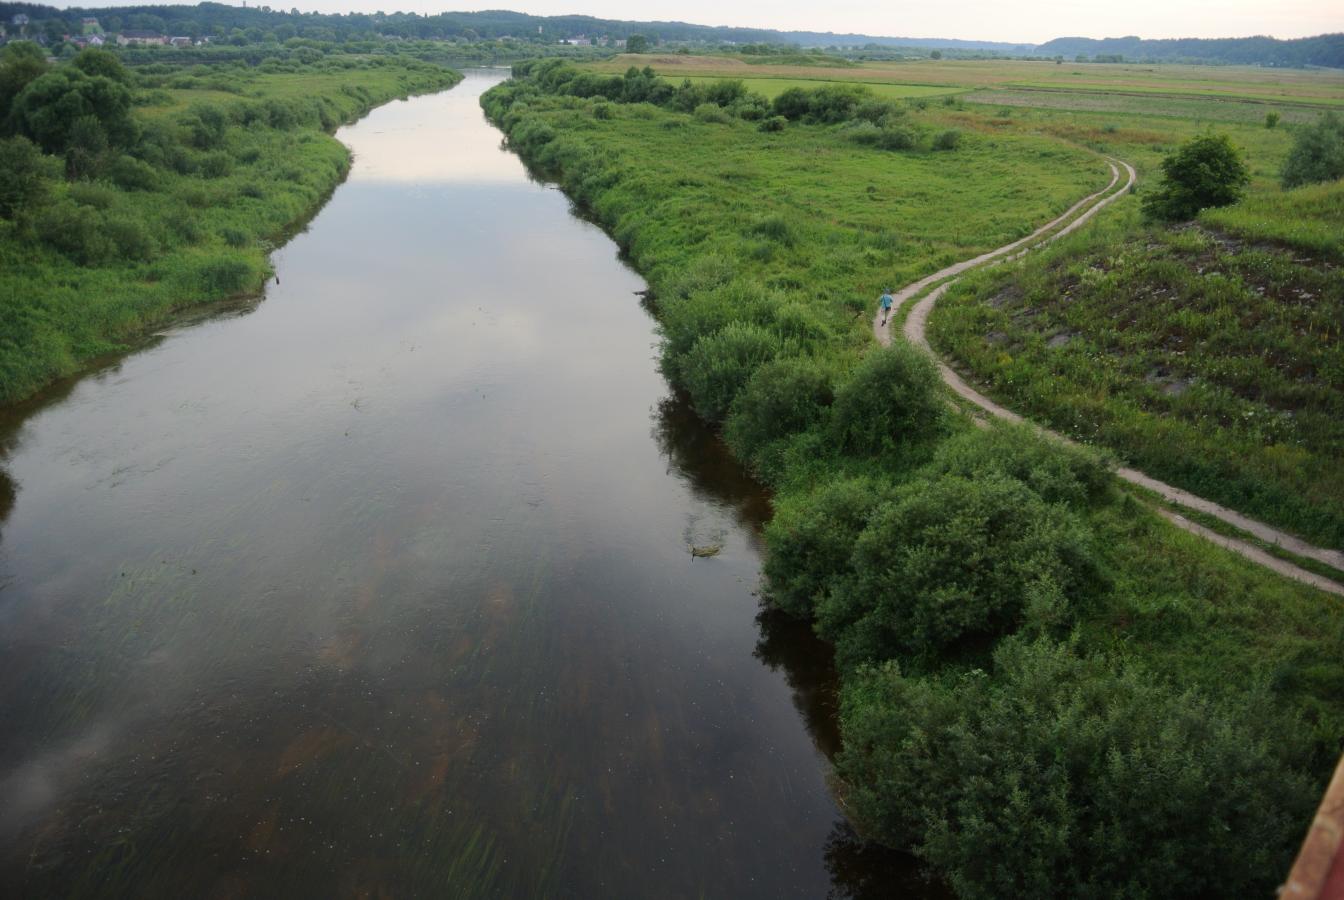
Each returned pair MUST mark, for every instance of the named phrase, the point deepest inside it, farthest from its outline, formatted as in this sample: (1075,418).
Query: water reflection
(384,587)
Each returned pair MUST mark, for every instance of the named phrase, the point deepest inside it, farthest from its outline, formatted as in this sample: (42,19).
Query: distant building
(180,41)
(578,41)
(96,40)
(19,20)
(128,38)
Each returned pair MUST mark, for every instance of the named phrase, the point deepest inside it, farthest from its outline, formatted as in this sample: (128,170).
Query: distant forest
(255,24)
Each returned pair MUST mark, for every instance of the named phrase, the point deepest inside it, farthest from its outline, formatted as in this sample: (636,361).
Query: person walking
(885,302)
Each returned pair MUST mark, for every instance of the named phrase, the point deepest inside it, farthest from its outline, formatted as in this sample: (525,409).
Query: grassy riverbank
(180,204)
(1047,689)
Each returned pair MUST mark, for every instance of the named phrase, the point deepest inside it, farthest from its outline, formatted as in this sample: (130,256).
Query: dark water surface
(382,587)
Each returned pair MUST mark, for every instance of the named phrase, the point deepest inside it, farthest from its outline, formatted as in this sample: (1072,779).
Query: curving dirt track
(915,332)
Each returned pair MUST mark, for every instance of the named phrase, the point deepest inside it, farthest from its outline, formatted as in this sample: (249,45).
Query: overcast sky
(1025,21)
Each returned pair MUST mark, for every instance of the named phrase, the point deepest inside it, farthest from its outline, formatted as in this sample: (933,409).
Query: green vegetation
(1046,689)
(128,194)
(1210,359)
(1317,154)
(1204,173)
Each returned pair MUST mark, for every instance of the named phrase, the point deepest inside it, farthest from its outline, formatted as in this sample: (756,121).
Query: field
(1309,87)
(988,595)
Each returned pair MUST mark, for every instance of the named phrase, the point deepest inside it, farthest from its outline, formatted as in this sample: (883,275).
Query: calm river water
(382,587)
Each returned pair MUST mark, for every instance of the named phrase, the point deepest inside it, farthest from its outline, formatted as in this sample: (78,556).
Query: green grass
(1191,109)
(770,88)
(1210,362)
(203,228)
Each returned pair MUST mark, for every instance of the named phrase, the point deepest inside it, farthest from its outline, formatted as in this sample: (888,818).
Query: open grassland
(771,87)
(1312,87)
(1036,669)
(226,161)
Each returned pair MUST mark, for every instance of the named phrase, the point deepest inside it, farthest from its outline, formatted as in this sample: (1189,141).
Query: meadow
(217,166)
(1083,670)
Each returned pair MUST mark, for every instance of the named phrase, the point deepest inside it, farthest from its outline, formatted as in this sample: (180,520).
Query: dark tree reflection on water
(859,869)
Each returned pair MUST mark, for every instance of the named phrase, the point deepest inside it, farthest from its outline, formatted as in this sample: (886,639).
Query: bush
(131,238)
(75,231)
(782,398)
(686,319)
(719,364)
(1063,776)
(235,237)
(94,195)
(1317,153)
(130,174)
(1206,171)
(216,164)
(950,559)
(811,539)
(713,113)
(947,140)
(1058,473)
(26,176)
(1271,119)
(775,228)
(773,123)
(890,400)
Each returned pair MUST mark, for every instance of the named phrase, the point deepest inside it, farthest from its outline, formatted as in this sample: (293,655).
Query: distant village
(91,34)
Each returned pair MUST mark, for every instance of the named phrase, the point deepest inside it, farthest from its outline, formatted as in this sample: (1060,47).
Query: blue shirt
(886,301)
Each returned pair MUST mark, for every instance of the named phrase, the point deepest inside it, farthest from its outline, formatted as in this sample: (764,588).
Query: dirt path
(915,332)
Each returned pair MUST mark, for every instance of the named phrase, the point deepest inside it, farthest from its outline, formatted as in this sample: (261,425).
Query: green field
(770,88)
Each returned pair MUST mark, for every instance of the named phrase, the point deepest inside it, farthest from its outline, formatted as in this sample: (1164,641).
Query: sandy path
(915,332)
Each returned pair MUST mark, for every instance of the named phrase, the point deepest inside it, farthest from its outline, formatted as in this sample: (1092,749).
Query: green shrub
(811,539)
(224,276)
(783,397)
(685,319)
(947,140)
(93,195)
(1317,153)
(890,400)
(604,111)
(713,113)
(1204,172)
(1058,473)
(130,174)
(26,176)
(1068,776)
(773,123)
(76,232)
(719,364)
(955,558)
(131,238)
(216,164)
(1271,119)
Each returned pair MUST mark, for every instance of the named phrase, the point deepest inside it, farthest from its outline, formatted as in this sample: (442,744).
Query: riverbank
(1080,600)
(218,167)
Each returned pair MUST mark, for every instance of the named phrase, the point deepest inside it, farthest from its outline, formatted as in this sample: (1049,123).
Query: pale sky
(1025,21)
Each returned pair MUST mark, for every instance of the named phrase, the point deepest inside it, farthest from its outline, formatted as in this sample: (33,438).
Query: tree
(1317,154)
(1204,172)
(25,176)
(96,61)
(637,43)
(936,54)
(49,106)
(20,63)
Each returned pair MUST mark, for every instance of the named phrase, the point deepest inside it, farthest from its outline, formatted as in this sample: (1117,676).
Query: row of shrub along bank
(1046,690)
(126,196)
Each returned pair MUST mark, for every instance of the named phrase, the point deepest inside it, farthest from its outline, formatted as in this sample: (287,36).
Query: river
(382,586)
